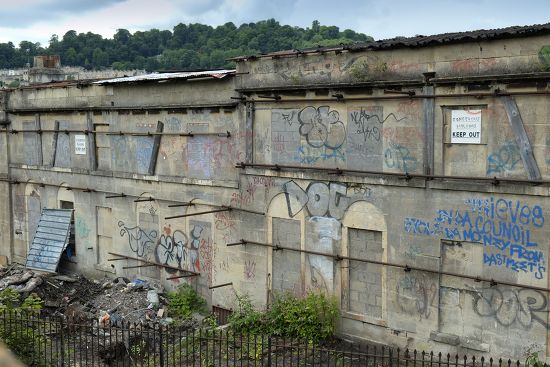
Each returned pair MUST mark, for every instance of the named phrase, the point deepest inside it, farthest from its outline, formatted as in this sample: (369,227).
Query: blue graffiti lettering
(500,225)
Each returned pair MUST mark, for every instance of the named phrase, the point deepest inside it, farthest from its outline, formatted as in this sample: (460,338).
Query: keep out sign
(466,126)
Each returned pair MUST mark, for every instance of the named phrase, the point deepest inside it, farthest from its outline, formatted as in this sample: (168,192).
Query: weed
(312,318)
(185,301)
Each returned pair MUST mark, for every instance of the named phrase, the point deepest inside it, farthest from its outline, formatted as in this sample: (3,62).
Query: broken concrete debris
(111,302)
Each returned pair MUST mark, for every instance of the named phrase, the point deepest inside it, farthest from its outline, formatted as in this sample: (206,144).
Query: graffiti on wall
(399,157)
(208,156)
(309,135)
(144,150)
(366,124)
(317,134)
(322,233)
(177,249)
(249,269)
(201,240)
(505,159)
(364,138)
(322,127)
(310,155)
(504,228)
(81,228)
(511,306)
(416,295)
(319,198)
(140,242)
(171,248)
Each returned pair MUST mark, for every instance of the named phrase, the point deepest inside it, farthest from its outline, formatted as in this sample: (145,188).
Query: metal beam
(138,266)
(405,267)
(224,209)
(407,176)
(428,109)
(522,140)
(155,151)
(220,285)
(150,262)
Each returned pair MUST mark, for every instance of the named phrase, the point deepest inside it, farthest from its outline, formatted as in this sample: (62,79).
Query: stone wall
(376,114)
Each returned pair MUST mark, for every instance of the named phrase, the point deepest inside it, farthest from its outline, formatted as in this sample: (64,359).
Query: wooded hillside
(187,47)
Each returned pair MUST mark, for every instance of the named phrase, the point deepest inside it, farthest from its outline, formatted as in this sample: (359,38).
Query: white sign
(466,126)
(80,144)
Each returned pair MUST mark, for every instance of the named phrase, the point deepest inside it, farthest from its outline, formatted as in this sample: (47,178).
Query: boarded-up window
(287,264)
(103,148)
(365,279)
(31,144)
(104,234)
(63,147)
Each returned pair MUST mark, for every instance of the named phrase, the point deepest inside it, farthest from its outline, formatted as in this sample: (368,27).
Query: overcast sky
(37,20)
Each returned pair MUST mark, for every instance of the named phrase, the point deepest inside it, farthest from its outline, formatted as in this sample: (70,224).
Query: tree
(188,46)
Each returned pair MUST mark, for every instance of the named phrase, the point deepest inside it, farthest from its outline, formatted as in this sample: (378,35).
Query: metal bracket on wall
(405,267)
(152,263)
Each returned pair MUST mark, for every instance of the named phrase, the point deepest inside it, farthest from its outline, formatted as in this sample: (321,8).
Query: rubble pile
(78,299)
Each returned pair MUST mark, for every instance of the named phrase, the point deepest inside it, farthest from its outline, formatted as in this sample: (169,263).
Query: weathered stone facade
(346,154)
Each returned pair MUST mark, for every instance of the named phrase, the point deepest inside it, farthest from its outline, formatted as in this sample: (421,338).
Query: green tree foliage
(187,47)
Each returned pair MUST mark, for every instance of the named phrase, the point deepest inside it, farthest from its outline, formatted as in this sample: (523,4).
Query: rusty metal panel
(50,240)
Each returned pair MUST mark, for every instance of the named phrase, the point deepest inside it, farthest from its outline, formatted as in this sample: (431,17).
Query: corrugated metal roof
(50,240)
(421,41)
(169,76)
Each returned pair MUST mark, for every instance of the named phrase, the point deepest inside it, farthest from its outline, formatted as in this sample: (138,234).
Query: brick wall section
(287,264)
(365,280)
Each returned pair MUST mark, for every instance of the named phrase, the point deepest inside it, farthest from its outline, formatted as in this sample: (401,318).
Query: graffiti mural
(364,138)
(504,228)
(319,198)
(416,295)
(366,124)
(310,135)
(140,242)
(322,127)
(192,251)
(171,248)
(508,306)
(503,160)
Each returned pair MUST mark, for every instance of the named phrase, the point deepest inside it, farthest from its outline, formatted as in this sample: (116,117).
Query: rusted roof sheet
(218,74)
(50,240)
(421,41)
(57,84)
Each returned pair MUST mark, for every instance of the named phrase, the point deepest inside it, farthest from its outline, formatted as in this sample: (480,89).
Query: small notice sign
(466,127)
(80,144)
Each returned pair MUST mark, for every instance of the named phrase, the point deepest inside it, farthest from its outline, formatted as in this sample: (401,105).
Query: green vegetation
(188,46)
(313,317)
(533,359)
(185,301)
(17,331)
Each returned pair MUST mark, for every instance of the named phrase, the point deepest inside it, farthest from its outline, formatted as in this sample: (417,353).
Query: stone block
(474,344)
(446,338)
